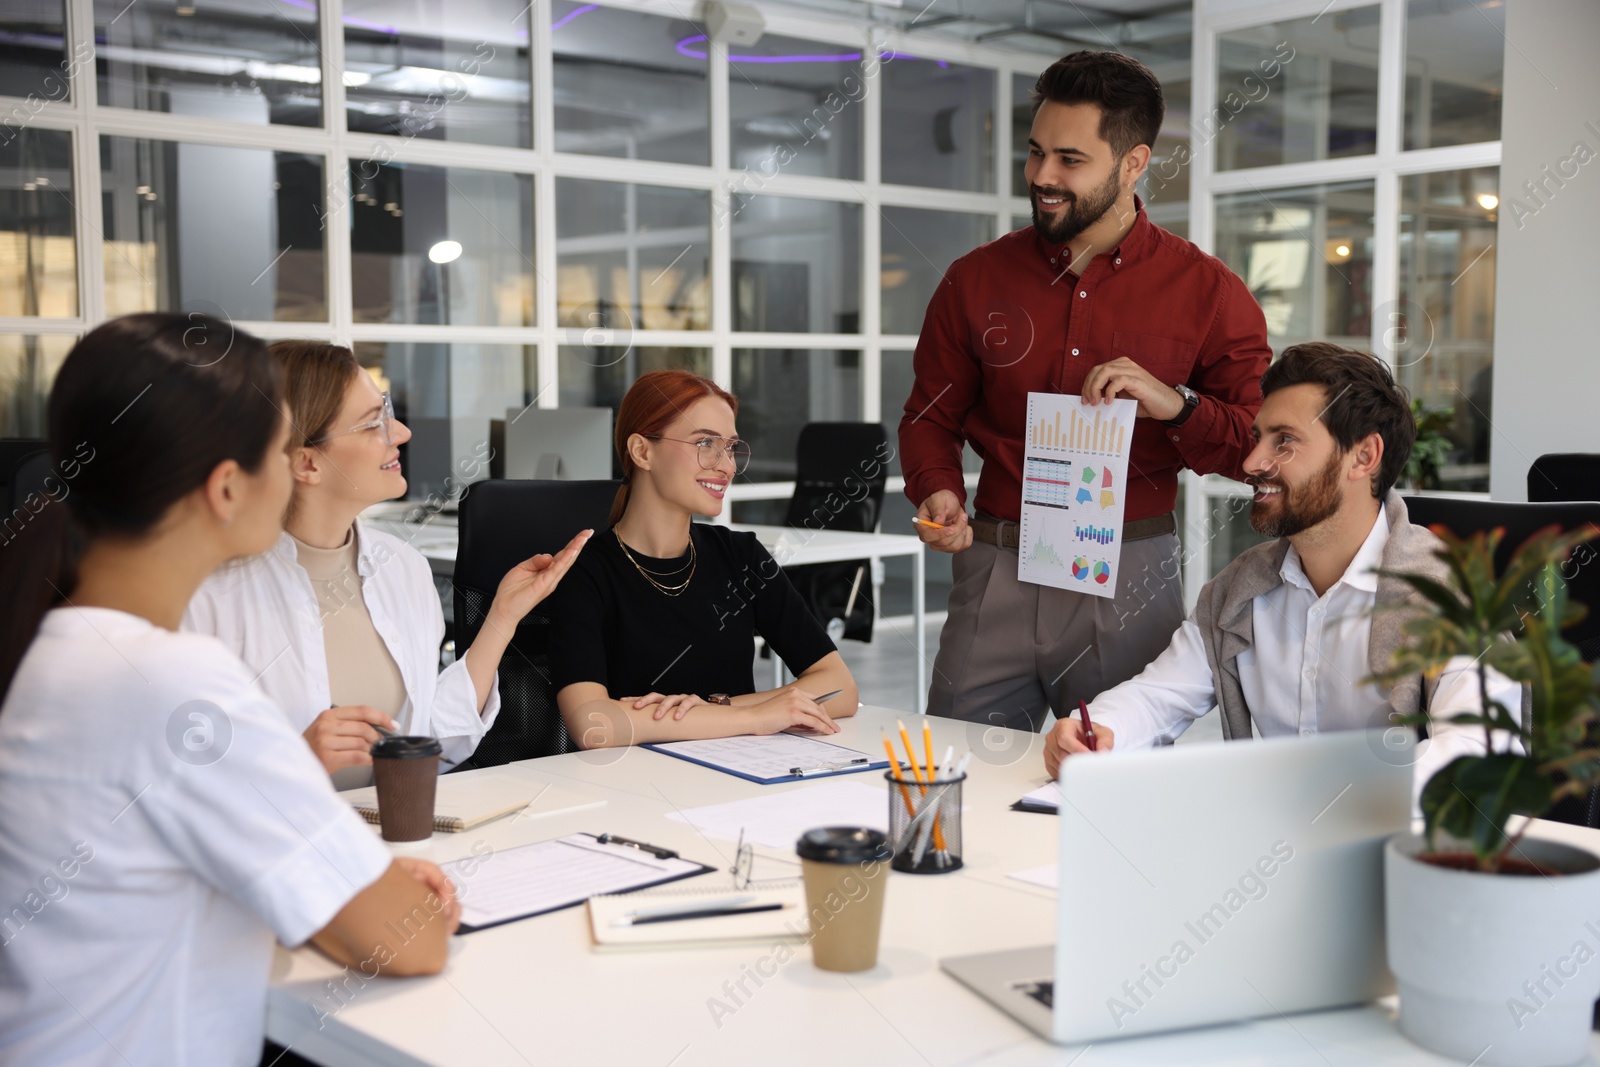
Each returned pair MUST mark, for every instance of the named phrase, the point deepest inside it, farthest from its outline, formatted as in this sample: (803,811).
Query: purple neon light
(349,20)
(569,16)
(683,49)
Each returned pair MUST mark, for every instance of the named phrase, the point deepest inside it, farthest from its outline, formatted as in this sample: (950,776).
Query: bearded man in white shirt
(1284,639)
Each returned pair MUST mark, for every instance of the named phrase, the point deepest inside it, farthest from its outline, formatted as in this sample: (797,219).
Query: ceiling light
(445,252)
(1488,201)
(1342,250)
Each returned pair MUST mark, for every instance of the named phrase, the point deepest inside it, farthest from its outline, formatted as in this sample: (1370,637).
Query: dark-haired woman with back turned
(160,823)
(656,623)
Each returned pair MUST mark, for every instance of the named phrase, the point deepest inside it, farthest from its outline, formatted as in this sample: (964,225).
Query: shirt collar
(1132,246)
(366,566)
(1359,575)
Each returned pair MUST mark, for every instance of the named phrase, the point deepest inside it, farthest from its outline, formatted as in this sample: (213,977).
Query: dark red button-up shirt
(1009,319)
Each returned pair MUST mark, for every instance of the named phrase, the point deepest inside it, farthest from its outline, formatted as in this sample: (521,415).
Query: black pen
(654,850)
(833,768)
(708,913)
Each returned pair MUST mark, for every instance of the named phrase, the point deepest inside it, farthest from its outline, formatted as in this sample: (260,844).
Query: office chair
(1562,476)
(1582,572)
(840,472)
(24,465)
(503,522)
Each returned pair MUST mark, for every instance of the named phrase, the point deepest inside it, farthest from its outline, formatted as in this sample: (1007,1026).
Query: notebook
(467,800)
(1046,800)
(726,931)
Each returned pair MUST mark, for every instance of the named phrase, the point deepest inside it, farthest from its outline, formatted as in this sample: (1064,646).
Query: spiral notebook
(789,923)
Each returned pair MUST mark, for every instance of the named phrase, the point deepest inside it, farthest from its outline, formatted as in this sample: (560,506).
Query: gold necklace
(661,587)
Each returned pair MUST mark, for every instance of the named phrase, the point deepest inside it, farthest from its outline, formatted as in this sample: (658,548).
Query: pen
(707,913)
(928,523)
(825,697)
(801,772)
(1088,728)
(657,852)
(679,909)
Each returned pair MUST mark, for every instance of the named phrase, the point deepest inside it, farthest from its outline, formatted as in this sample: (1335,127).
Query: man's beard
(1300,508)
(1079,213)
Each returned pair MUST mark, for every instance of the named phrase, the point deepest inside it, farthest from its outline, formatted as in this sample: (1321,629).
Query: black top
(613,627)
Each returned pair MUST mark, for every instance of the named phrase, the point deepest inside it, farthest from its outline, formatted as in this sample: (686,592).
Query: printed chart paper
(1074,488)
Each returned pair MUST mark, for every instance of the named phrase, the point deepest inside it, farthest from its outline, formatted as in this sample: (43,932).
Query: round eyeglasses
(381,423)
(711,450)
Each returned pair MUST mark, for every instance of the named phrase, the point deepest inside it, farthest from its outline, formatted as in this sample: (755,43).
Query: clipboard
(563,872)
(769,759)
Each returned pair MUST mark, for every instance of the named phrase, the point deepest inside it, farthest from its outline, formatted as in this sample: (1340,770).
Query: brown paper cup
(846,872)
(406,773)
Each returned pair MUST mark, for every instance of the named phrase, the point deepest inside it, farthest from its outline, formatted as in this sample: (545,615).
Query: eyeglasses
(744,867)
(381,423)
(711,450)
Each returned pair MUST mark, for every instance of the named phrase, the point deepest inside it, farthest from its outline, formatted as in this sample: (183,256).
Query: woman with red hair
(656,622)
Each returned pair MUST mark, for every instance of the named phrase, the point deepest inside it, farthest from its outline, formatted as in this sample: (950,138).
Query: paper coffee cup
(845,869)
(406,773)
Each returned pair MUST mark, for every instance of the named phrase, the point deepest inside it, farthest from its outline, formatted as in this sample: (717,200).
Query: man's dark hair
(1360,398)
(1127,94)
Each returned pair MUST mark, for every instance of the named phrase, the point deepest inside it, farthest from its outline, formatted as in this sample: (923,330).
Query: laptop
(1211,883)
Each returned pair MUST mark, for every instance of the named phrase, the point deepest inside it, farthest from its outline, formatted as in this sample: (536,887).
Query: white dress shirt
(160,827)
(1304,673)
(265,610)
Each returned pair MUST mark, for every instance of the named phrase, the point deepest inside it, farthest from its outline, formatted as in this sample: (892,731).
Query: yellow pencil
(916,769)
(894,765)
(927,747)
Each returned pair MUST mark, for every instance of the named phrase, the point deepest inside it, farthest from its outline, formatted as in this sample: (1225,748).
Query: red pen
(1088,727)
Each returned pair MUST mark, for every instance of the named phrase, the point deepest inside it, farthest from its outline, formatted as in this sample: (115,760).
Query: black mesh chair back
(1582,572)
(24,465)
(1560,476)
(840,472)
(503,522)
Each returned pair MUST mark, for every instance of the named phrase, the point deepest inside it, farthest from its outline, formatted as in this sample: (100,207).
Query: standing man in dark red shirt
(1096,300)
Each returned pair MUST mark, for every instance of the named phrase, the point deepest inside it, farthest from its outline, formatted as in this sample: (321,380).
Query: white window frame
(1385,168)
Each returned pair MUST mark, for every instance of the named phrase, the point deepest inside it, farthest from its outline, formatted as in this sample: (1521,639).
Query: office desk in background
(534,992)
(437,539)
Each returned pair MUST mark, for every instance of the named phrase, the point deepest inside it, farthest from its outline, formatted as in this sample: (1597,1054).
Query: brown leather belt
(1007,534)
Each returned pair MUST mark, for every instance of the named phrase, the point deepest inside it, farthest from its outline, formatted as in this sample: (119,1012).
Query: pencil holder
(925,824)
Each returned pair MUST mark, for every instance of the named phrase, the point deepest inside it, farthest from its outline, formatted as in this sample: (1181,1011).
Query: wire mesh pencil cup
(925,824)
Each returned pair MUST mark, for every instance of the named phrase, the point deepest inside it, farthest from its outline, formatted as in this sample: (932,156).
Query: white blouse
(160,825)
(266,611)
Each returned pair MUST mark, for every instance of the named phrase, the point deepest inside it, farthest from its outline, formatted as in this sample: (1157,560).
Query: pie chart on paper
(1102,571)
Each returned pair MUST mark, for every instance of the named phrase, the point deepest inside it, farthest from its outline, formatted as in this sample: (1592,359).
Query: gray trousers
(1011,649)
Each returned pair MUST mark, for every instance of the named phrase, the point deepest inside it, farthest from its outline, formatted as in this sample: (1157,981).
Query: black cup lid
(843,844)
(407,748)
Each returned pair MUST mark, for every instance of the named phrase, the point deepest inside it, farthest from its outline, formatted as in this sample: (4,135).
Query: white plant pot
(1495,969)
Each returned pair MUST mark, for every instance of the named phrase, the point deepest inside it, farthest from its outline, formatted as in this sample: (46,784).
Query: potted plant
(1431,448)
(1494,939)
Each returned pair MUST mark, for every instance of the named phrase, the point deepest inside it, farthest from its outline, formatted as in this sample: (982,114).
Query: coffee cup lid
(844,844)
(406,748)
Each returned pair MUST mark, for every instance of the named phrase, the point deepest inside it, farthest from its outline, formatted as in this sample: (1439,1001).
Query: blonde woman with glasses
(343,622)
(655,628)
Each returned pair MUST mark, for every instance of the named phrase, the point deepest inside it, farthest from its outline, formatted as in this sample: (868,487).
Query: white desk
(533,992)
(438,538)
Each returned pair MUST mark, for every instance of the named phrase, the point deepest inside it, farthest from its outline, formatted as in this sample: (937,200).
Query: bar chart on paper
(1074,468)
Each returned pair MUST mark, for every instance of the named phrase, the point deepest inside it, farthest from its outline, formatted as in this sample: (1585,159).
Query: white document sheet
(518,882)
(772,757)
(777,820)
(1048,876)
(1074,489)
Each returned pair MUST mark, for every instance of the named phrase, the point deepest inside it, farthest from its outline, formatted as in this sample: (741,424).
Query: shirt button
(1311,672)
(1316,610)
(1074,351)
(1052,261)
(1174,437)
(1082,292)
(1307,731)
(1117,261)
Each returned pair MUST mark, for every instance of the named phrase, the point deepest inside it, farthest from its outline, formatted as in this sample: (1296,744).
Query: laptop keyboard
(1044,992)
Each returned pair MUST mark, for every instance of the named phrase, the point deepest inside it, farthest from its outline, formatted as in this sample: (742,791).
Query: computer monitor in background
(572,443)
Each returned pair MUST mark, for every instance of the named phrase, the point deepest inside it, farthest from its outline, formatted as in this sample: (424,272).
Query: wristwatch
(1191,400)
(720,698)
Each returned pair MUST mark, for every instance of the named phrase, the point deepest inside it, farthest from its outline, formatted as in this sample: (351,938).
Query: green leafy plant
(1472,798)
(1432,446)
